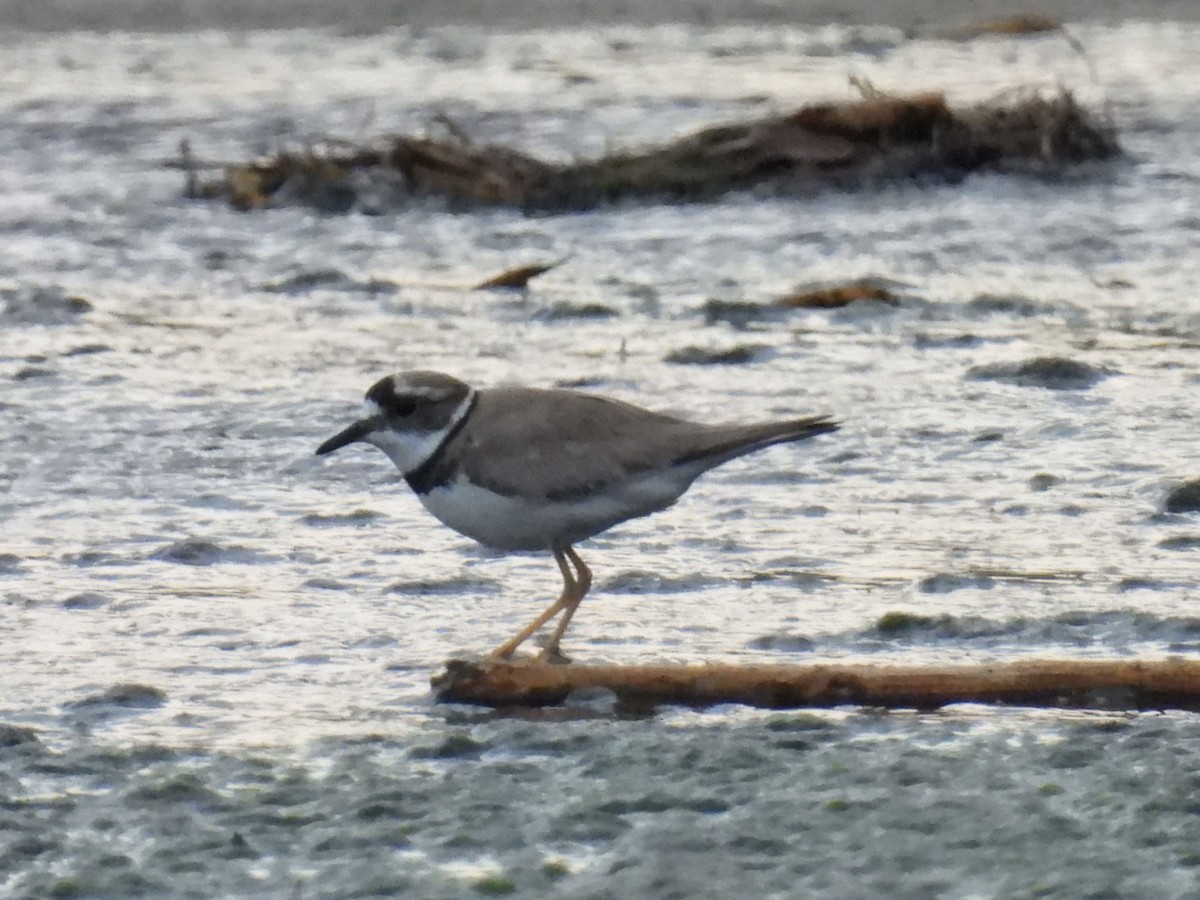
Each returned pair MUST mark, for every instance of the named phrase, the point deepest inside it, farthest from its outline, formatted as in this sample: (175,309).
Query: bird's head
(407,416)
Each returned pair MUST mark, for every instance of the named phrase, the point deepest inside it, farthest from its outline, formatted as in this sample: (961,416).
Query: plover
(519,468)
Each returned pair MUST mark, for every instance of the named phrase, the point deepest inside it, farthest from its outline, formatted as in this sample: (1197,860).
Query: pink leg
(583,582)
(570,586)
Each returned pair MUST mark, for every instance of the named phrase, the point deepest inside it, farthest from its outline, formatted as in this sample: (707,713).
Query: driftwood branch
(1086,684)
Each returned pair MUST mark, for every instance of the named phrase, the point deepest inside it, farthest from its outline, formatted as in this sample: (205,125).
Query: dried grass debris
(837,296)
(1018,25)
(878,138)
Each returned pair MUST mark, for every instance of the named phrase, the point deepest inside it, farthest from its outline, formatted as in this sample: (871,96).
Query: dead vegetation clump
(837,296)
(875,139)
(1008,26)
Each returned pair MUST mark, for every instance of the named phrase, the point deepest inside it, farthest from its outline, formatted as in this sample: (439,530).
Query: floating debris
(1184,497)
(738,354)
(17,736)
(963,341)
(199,552)
(1055,373)
(357,517)
(875,139)
(328,280)
(742,313)
(123,696)
(32,373)
(515,279)
(948,582)
(783,643)
(85,600)
(738,313)
(563,311)
(990,436)
(40,305)
(1043,481)
(837,297)
(899,622)
(1181,542)
(1008,26)
(1007,304)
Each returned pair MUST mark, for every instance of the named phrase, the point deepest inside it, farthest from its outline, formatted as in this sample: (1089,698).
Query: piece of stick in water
(1119,684)
(518,278)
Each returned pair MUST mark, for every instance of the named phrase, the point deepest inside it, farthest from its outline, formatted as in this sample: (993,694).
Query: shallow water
(170,366)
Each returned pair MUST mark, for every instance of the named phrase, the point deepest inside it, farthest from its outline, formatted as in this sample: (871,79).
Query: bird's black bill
(355,432)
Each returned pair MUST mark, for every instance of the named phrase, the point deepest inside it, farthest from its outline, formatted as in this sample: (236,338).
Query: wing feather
(555,444)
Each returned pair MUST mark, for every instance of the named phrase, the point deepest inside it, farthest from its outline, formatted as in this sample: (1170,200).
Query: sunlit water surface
(222,643)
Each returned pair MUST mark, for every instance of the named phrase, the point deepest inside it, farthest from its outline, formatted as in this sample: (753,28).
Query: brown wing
(559,444)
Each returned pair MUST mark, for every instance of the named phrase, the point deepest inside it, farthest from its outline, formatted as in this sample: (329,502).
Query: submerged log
(1085,684)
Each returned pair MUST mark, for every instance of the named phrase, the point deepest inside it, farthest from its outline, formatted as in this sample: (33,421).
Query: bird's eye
(402,406)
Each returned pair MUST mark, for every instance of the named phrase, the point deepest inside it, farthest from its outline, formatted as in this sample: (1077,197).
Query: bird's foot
(552,656)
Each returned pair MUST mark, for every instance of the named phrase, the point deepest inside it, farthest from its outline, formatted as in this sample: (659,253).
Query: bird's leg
(582,582)
(570,586)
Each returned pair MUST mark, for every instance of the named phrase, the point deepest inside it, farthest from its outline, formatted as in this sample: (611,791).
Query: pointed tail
(738,440)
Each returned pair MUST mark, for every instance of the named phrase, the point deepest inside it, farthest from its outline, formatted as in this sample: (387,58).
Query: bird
(535,469)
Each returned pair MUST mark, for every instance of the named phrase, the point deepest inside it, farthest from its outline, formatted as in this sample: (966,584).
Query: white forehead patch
(425,385)
(422,391)
(408,450)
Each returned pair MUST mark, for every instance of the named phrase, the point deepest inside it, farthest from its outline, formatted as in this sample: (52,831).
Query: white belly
(515,523)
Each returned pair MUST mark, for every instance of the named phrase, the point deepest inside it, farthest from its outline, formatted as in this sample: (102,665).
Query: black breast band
(438,471)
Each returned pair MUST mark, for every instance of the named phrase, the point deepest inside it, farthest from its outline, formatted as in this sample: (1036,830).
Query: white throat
(409,450)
